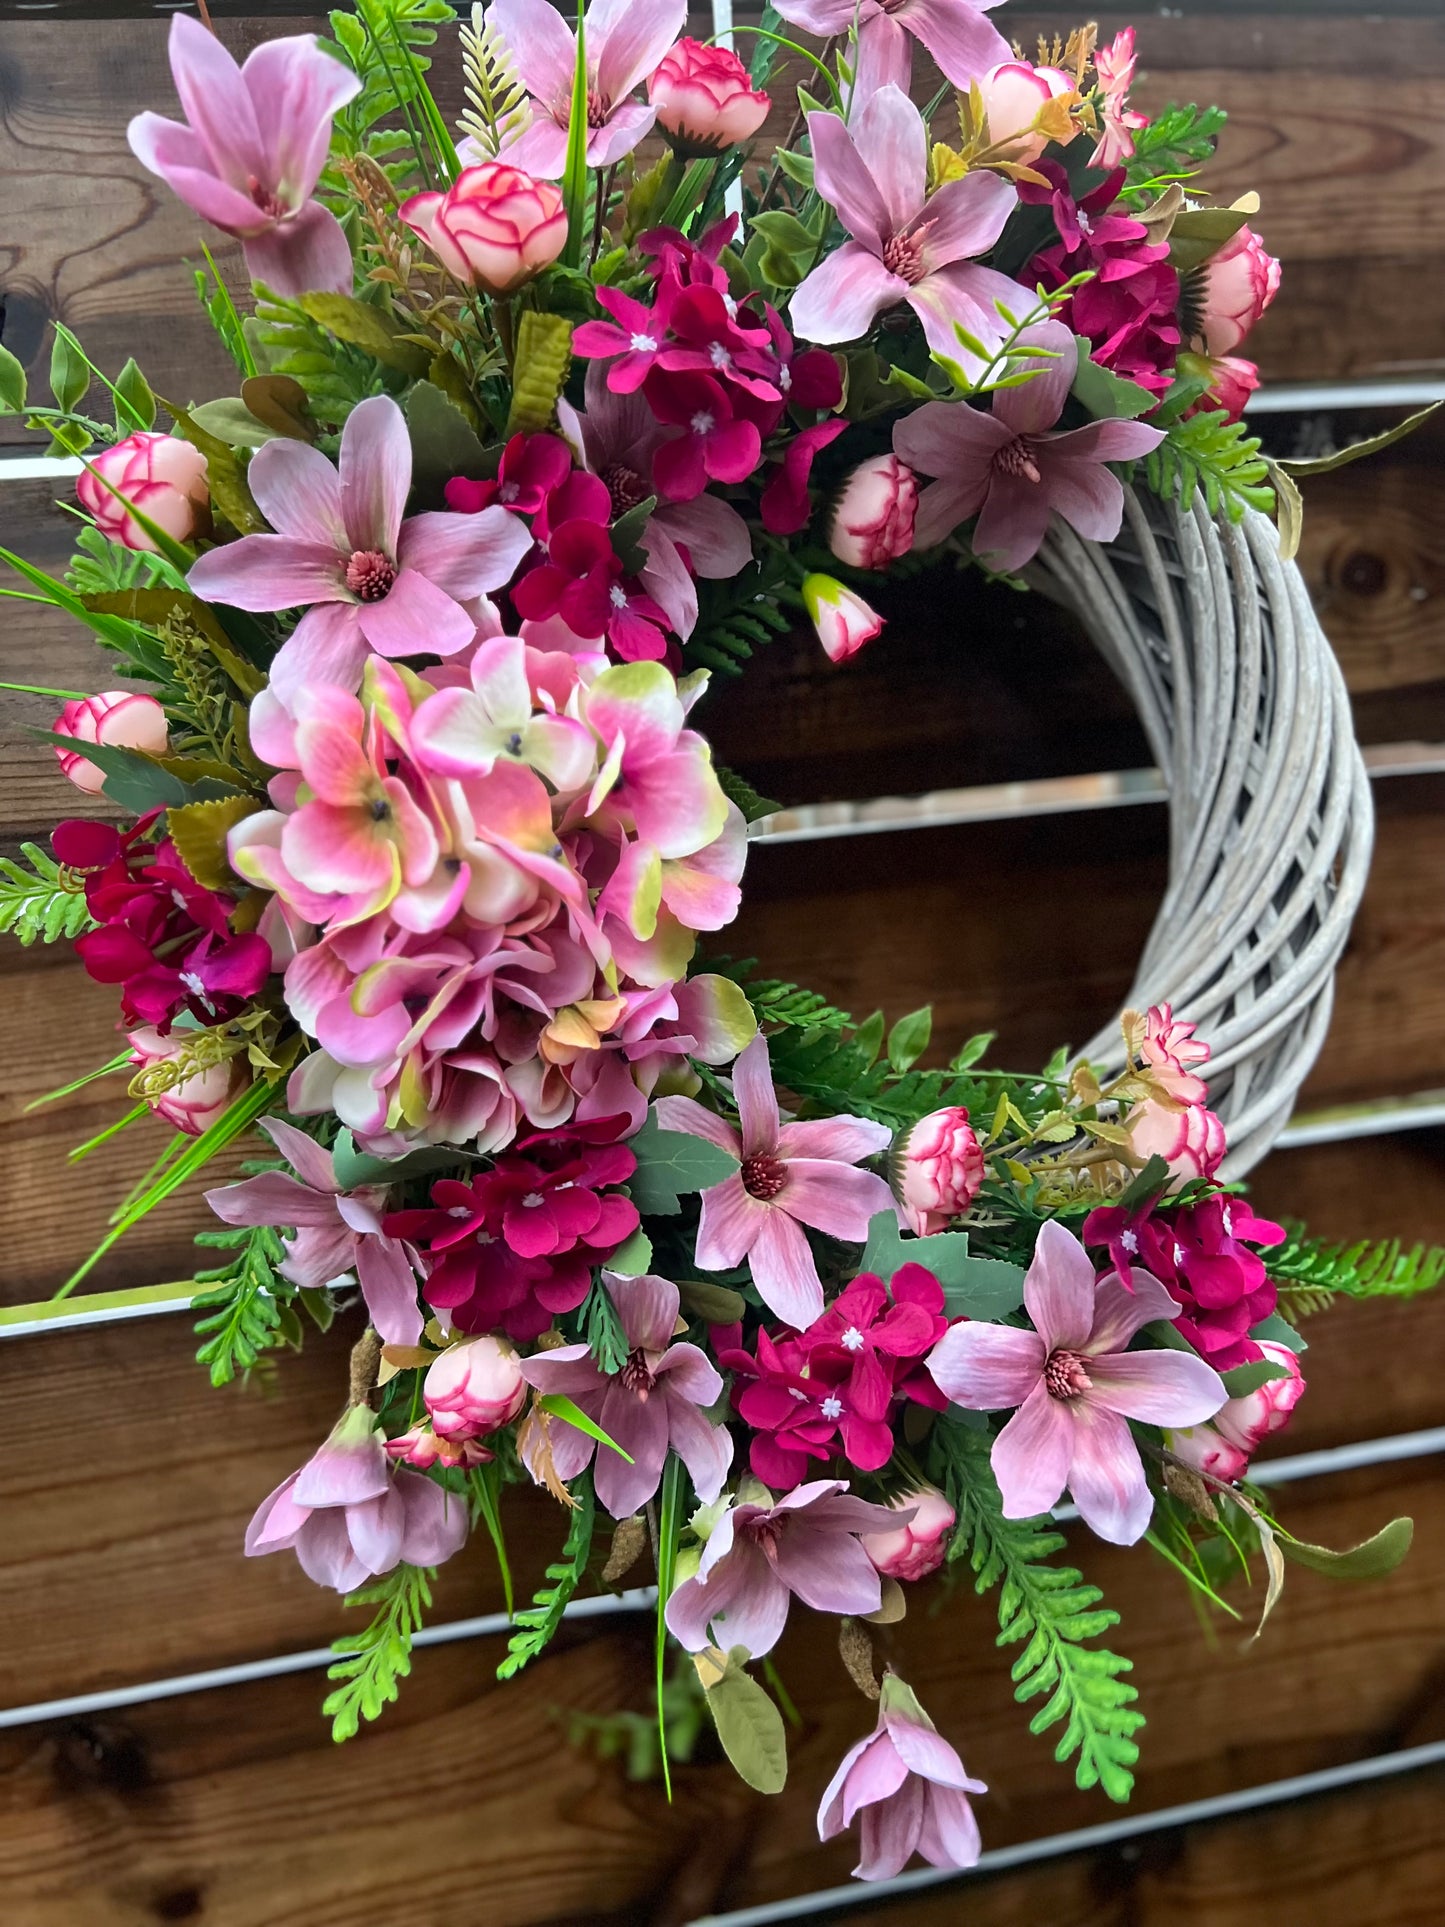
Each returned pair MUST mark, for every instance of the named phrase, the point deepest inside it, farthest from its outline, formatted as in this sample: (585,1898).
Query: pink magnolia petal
(987,1368)
(273,1198)
(704,1448)
(1038,403)
(714,534)
(842,297)
(376,1528)
(885,53)
(1162,1388)
(176,153)
(830,1807)
(308,253)
(836,1198)
(1059,1289)
(964,219)
(647,1307)
(544,50)
(624,127)
(1120,1313)
(843,179)
(949,1836)
(1032,1454)
(846,1139)
(926,1753)
(640,1427)
(266,572)
(276,1522)
(309,1160)
(375,474)
(757,1100)
(295,88)
(757,1604)
(542,150)
(1106,1474)
(325,1553)
(1012,523)
(415,618)
(879,1771)
(890,1832)
(627,39)
(952,440)
(892,144)
(388,1284)
(1088,496)
(964,45)
(784,1269)
(686,1114)
(435,1523)
(829,1571)
(467,555)
(326,646)
(730,1225)
(216,102)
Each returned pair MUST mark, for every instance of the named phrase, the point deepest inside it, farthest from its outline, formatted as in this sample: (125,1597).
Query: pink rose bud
(704,99)
(422,1448)
(1247,1422)
(872,521)
(918,1547)
(162,476)
(121,718)
(1190,1140)
(1013,94)
(843,620)
(939,1170)
(194,1104)
(495,227)
(1231,381)
(474,1387)
(1238,285)
(1202,1448)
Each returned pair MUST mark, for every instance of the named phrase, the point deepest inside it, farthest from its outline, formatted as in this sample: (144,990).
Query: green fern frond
(41,902)
(1208,451)
(1175,144)
(246,1303)
(372,1665)
(334,375)
(739,615)
(1369,1269)
(1052,1612)
(737,789)
(498,109)
(535,1624)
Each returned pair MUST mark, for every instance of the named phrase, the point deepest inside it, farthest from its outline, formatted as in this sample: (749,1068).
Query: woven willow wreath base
(1271,819)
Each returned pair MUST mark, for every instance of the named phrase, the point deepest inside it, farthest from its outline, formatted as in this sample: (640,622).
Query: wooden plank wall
(128,1480)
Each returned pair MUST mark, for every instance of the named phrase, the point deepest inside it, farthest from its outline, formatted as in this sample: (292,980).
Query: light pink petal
(1119,1313)
(730,1225)
(879,1773)
(1012,523)
(325,1553)
(171,150)
(844,179)
(1037,405)
(215,101)
(965,293)
(1161,1387)
(949,1836)
(964,45)
(545,52)
(953,440)
(942,506)
(836,1198)
(273,1198)
(306,253)
(1059,1289)
(467,555)
(295,88)
(375,474)
(1107,441)
(1032,1454)
(388,1284)
(845,1138)
(309,1160)
(624,127)
(265,572)
(346,1470)
(988,1368)
(647,1307)
(892,143)
(829,1571)
(716,536)
(1089,497)
(757,1100)
(665,576)
(435,1522)
(690,1375)
(926,1753)
(542,150)
(830,1807)
(964,219)
(891,1831)
(757,1603)
(1106,1475)
(640,1427)
(276,1522)
(783,1268)
(627,38)
(376,1528)
(841,298)
(415,618)
(885,54)
(326,646)
(704,1448)
(686,1114)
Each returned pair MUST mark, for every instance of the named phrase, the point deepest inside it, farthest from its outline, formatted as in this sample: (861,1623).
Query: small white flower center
(1179,1254)
(509,491)
(532,1200)
(703,423)
(731,306)
(1129,1241)
(785,376)
(831,1408)
(853,1339)
(643,345)
(1228,1222)
(618,596)
(197,989)
(801,1397)
(178,900)
(1086,225)
(485,1238)
(458,1211)
(719,356)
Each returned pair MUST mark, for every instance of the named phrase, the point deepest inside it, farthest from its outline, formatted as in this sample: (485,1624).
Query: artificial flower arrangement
(419,839)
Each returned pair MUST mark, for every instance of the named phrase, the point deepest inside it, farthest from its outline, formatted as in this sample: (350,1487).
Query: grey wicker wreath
(1271,819)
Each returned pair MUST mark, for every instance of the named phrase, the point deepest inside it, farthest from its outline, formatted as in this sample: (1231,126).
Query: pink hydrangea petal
(1106,1475)
(1032,1454)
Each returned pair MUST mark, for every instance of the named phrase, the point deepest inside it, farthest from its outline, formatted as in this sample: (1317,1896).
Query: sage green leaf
(1105,394)
(983,1288)
(714,1304)
(443,441)
(1276,1330)
(1198,233)
(1245,1379)
(670,1164)
(908,1039)
(69,376)
(560,1406)
(132,389)
(362,326)
(13,385)
(1371,445)
(539,371)
(633,1257)
(232,422)
(355,1168)
(750,1728)
(1372,1560)
(138,782)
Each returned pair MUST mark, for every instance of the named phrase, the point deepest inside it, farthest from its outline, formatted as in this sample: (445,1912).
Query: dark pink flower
(785,505)
(631,342)
(531,467)
(713,443)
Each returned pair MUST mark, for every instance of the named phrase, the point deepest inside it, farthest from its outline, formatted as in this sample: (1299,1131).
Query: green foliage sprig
(497,98)
(387,44)
(1209,452)
(1310,1272)
(335,375)
(1174,145)
(536,1624)
(39,902)
(1053,1611)
(372,1666)
(245,1303)
(737,616)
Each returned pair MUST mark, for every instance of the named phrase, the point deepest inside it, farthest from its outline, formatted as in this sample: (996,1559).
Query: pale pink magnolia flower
(910,1787)
(162,476)
(906,244)
(349,1519)
(964,45)
(789,1175)
(625,41)
(1010,471)
(1014,94)
(119,718)
(251,155)
(759,1554)
(1075,1384)
(653,1406)
(336,1234)
(367,578)
(1114,65)
(841,619)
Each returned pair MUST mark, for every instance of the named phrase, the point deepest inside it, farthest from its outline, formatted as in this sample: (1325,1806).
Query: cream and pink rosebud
(918,1545)
(704,99)
(473,1388)
(162,476)
(118,719)
(843,620)
(1015,94)
(193,1103)
(495,227)
(1224,1447)
(938,1170)
(872,523)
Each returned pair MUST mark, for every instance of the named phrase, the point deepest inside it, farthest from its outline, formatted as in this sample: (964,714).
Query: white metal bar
(1109,1833)
(28,468)
(1295,398)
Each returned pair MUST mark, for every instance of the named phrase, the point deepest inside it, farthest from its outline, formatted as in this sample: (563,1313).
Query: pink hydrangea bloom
(911,1789)
(906,245)
(789,1175)
(652,1406)
(349,1518)
(367,578)
(336,1234)
(1075,1384)
(251,149)
(1013,470)
(759,1554)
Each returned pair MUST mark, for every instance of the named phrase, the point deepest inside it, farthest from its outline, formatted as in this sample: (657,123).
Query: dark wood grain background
(127,1481)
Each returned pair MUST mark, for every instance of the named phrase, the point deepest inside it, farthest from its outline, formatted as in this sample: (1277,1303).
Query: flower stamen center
(369,575)
(1064,1375)
(1017,458)
(637,1375)
(763,1176)
(903,255)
